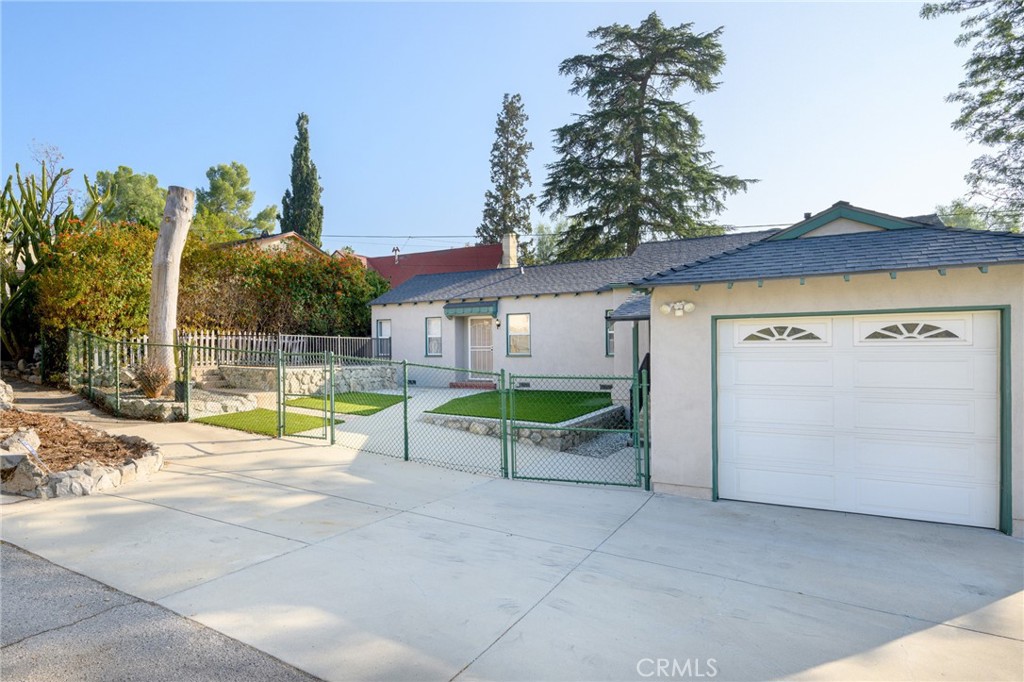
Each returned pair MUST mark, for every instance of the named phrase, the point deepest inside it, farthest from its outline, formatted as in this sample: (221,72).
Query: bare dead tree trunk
(163,299)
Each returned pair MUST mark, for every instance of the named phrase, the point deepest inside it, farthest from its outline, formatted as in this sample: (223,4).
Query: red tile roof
(483,257)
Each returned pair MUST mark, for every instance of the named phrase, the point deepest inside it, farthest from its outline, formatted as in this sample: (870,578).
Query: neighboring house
(285,241)
(855,361)
(544,319)
(400,267)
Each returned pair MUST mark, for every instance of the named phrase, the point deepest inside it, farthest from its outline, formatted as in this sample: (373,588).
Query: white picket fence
(214,348)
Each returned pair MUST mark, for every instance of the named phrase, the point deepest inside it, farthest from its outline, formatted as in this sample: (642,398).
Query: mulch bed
(64,444)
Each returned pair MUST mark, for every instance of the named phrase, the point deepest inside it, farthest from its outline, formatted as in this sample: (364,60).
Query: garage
(893,415)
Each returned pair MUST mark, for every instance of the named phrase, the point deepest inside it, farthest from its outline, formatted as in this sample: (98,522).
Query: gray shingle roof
(906,249)
(636,307)
(564,278)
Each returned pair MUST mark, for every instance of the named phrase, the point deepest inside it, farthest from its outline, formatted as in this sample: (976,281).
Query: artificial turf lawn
(547,407)
(353,402)
(264,421)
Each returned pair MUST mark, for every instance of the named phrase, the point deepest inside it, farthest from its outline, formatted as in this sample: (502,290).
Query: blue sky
(820,101)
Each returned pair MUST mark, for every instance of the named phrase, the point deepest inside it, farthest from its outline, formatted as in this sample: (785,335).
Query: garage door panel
(784,409)
(915,415)
(904,423)
(783,487)
(779,371)
(916,457)
(926,501)
(945,374)
(753,448)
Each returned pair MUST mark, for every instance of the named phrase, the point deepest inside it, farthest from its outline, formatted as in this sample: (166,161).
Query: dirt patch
(63,443)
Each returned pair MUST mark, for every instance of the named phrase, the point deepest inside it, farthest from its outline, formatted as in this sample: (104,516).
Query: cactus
(29,225)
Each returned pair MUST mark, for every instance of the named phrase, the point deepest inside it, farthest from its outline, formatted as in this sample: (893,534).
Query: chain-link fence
(575,429)
(370,396)
(455,419)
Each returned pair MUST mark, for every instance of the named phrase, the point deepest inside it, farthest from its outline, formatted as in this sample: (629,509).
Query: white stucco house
(544,319)
(855,361)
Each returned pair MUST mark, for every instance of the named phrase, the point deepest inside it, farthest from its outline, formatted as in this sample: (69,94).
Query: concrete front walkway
(356,566)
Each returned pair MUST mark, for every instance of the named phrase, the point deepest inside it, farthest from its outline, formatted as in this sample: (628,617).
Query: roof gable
(844,211)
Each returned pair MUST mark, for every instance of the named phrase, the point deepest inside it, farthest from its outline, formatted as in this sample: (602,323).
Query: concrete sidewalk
(354,566)
(58,625)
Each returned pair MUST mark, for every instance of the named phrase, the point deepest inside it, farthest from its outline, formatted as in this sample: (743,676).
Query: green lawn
(548,407)
(353,402)
(264,421)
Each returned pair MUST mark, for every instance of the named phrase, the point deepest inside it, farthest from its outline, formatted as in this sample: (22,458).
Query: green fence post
(510,414)
(188,383)
(330,387)
(280,392)
(88,361)
(635,419)
(117,378)
(405,406)
(502,397)
(646,391)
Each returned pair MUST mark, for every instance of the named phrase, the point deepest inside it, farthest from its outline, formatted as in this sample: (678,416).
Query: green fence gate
(578,429)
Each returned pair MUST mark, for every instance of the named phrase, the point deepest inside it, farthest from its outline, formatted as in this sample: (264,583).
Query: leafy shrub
(153,378)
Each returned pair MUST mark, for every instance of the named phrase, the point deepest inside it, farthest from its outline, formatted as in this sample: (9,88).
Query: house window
(609,334)
(518,326)
(383,329)
(433,346)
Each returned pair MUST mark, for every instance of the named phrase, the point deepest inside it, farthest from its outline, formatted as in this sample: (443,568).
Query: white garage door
(895,415)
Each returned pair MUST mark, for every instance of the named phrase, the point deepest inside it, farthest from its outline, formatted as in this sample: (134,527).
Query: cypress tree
(300,208)
(505,209)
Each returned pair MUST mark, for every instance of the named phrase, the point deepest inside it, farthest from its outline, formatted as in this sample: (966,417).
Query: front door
(481,345)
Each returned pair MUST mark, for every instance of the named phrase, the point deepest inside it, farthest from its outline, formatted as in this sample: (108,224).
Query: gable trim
(841,210)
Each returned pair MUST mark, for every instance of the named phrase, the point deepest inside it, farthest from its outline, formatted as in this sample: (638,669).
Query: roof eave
(724,280)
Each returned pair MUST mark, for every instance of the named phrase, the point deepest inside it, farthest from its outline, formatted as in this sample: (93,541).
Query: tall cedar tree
(300,208)
(505,209)
(991,96)
(633,164)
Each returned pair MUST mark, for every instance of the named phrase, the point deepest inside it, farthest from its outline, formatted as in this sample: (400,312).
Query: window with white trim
(383,329)
(433,334)
(518,325)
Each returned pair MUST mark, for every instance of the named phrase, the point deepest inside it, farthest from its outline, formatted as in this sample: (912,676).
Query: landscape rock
(6,396)
(25,480)
(14,442)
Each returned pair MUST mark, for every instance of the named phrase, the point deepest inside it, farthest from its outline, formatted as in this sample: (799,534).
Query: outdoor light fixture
(677,308)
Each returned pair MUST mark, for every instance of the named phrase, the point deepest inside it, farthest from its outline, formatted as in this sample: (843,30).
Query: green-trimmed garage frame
(1005,388)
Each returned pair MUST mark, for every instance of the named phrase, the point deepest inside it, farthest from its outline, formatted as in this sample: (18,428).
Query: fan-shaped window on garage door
(910,331)
(782,333)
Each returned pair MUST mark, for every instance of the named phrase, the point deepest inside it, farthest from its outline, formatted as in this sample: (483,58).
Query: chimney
(807,215)
(509,251)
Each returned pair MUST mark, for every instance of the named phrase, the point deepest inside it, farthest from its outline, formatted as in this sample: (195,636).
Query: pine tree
(634,165)
(300,208)
(505,209)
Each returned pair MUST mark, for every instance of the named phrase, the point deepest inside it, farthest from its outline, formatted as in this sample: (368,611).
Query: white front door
(893,415)
(481,345)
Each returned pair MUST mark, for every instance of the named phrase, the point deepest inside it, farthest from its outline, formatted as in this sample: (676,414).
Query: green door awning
(465,309)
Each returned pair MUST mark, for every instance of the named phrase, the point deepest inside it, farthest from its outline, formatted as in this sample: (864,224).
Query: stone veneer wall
(310,380)
(563,438)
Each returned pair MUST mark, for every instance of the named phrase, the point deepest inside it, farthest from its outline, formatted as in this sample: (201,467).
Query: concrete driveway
(356,566)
